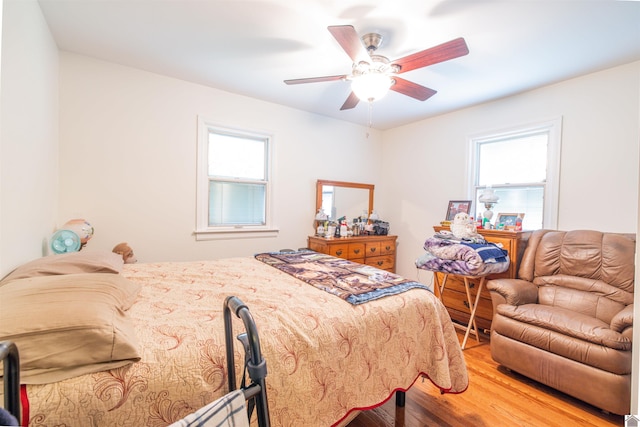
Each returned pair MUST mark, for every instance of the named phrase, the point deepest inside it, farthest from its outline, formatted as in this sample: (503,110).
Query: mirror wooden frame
(322,182)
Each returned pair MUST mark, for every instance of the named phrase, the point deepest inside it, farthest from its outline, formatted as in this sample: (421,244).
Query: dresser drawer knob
(356,251)
(380,262)
(387,248)
(373,250)
(339,253)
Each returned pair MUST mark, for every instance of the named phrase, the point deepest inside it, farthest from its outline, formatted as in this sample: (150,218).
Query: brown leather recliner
(567,321)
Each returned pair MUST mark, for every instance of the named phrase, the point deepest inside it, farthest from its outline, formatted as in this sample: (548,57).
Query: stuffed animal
(127,253)
(463,227)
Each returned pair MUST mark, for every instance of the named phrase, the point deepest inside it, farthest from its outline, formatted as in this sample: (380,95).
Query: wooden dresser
(377,251)
(455,297)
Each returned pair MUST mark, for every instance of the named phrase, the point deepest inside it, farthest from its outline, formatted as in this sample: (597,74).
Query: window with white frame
(233,181)
(522,166)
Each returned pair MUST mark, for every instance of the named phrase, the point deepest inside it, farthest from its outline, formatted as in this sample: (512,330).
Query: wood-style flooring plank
(495,397)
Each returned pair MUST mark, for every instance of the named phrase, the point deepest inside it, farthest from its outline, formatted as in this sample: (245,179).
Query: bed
(327,357)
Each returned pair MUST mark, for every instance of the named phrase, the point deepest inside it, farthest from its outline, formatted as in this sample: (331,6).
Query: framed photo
(509,221)
(457,206)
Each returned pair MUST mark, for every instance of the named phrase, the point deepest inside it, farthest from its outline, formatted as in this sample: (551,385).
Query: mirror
(338,198)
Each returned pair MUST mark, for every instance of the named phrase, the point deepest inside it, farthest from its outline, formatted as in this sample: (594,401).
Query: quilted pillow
(70,263)
(69,325)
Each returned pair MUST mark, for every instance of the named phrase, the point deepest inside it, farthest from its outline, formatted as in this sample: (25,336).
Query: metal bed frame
(255,392)
(11,365)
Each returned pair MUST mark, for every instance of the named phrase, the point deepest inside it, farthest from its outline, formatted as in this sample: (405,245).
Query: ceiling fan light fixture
(371,87)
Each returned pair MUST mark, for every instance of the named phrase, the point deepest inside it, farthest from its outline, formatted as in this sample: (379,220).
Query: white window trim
(203,231)
(552,187)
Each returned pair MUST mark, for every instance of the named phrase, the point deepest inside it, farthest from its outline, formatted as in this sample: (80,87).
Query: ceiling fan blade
(411,89)
(315,79)
(444,52)
(347,37)
(351,102)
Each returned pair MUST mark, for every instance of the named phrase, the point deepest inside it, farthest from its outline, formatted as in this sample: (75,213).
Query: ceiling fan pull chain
(370,113)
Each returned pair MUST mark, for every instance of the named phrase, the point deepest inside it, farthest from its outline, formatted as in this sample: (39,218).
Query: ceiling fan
(373,75)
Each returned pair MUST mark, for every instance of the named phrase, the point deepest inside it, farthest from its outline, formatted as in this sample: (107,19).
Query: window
(233,181)
(522,165)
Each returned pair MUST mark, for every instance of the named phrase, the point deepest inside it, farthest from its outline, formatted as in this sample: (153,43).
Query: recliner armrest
(623,319)
(512,292)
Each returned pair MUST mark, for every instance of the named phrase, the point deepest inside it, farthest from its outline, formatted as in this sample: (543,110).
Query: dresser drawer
(456,283)
(388,247)
(372,249)
(459,302)
(385,262)
(339,250)
(356,250)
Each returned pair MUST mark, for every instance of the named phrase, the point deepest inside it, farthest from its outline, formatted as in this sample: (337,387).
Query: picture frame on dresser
(508,221)
(457,206)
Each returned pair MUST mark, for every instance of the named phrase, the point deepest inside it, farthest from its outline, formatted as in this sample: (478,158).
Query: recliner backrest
(608,257)
(587,271)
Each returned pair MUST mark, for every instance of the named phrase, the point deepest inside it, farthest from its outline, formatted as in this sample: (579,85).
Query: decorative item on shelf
(380,228)
(464,227)
(331,230)
(321,222)
(456,206)
(344,230)
(510,221)
(489,199)
(321,215)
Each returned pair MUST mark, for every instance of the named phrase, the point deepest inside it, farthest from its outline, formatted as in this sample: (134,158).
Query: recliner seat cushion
(568,323)
(507,324)
(601,305)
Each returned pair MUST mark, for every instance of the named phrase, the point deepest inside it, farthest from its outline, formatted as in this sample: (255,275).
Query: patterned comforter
(453,257)
(325,357)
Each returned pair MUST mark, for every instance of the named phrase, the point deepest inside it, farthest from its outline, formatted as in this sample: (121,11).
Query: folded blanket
(461,258)
(355,283)
(489,252)
(450,266)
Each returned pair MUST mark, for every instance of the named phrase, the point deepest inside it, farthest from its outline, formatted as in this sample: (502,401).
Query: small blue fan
(64,241)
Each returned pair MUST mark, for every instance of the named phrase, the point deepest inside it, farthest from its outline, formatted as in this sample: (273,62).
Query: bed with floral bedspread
(325,357)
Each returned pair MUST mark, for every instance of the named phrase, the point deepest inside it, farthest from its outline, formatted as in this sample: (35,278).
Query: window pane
(528,200)
(514,161)
(236,156)
(232,203)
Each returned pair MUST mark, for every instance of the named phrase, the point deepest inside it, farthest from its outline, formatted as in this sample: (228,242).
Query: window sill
(235,233)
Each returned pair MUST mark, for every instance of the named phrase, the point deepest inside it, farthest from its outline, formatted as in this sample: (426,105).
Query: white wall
(425,161)
(28,137)
(128,159)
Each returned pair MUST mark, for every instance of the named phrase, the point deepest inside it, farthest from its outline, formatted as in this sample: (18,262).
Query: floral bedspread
(325,357)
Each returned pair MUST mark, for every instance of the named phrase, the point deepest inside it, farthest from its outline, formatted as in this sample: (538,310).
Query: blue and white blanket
(470,259)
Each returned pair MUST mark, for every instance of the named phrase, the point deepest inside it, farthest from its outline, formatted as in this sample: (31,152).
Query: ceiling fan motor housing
(372,41)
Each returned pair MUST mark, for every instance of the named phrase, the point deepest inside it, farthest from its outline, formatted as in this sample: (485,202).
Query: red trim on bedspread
(442,390)
(24,399)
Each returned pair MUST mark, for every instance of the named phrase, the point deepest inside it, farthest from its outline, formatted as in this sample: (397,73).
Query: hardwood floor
(495,397)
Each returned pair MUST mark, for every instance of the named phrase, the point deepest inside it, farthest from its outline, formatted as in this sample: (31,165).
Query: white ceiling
(250,47)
